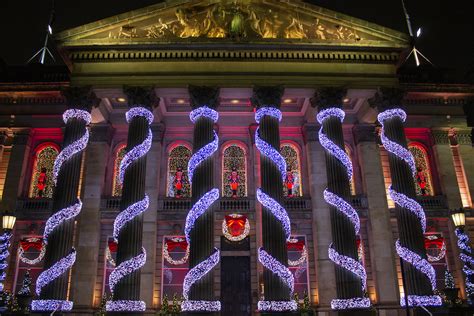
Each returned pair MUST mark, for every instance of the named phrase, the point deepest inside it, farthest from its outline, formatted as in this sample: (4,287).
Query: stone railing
(294,204)
(110,203)
(230,204)
(34,204)
(170,204)
(436,202)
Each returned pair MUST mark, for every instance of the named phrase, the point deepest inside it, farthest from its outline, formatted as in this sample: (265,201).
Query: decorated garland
(68,213)
(346,262)
(176,242)
(466,258)
(129,266)
(295,243)
(235,219)
(199,208)
(31,242)
(278,211)
(440,243)
(407,255)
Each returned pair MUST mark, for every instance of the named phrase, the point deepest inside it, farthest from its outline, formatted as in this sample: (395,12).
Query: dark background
(447,39)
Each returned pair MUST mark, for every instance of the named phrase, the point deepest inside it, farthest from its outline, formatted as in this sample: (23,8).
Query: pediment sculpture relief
(236,21)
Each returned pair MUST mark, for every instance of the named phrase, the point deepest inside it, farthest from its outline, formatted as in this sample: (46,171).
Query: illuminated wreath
(108,256)
(439,243)
(295,243)
(27,243)
(231,220)
(178,241)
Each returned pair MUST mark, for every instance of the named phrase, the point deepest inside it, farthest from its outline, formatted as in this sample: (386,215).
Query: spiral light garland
(465,256)
(132,211)
(68,213)
(4,253)
(198,209)
(278,211)
(413,206)
(346,262)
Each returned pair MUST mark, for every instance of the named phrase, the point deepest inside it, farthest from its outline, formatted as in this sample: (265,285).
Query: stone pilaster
(273,234)
(321,225)
(466,151)
(153,176)
(60,241)
(16,170)
(131,235)
(381,243)
(409,226)
(348,285)
(88,221)
(202,234)
(3,139)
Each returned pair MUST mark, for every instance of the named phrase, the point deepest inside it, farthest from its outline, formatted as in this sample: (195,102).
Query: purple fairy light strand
(202,154)
(51,305)
(277,268)
(125,306)
(277,210)
(125,268)
(350,303)
(344,207)
(277,306)
(269,151)
(270,111)
(349,264)
(327,113)
(68,152)
(55,271)
(406,202)
(199,208)
(465,256)
(199,271)
(204,111)
(134,154)
(59,217)
(139,111)
(128,214)
(77,114)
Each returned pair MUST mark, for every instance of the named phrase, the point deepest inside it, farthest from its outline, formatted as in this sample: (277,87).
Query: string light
(350,264)
(24,259)
(277,210)
(4,253)
(274,155)
(405,202)
(270,111)
(277,306)
(170,260)
(128,214)
(463,244)
(199,208)
(68,213)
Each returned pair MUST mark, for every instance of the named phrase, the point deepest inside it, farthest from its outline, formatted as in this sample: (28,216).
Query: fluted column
(419,276)
(379,227)
(198,287)
(53,284)
(345,223)
(124,281)
(88,227)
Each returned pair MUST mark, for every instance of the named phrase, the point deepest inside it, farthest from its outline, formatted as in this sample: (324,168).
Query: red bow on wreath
(299,245)
(438,242)
(26,244)
(175,244)
(112,246)
(236,225)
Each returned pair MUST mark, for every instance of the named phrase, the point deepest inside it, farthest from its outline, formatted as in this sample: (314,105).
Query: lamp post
(8,221)
(465,251)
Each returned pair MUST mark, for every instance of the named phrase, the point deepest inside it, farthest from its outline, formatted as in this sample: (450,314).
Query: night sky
(447,39)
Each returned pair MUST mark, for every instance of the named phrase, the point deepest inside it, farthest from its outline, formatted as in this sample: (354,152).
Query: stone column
(325,273)
(3,138)
(466,152)
(409,226)
(202,234)
(16,170)
(348,284)
(60,240)
(273,233)
(153,176)
(380,230)
(88,224)
(129,249)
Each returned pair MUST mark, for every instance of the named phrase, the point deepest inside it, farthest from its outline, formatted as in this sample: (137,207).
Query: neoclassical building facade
(238,79)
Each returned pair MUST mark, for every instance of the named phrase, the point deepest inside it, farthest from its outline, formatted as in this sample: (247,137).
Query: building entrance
(235,286)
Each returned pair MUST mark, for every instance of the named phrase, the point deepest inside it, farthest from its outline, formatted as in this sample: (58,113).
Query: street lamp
(8,221)
(465,251)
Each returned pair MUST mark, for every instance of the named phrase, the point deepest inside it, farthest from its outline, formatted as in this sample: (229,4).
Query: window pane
(42,177)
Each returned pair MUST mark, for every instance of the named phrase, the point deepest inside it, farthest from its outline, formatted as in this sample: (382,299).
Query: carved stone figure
(158,30)
(128,31)
(295,29)
(319,30)
(211,27)
(189,28)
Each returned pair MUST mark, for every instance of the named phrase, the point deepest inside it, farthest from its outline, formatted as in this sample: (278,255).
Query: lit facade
(167,48)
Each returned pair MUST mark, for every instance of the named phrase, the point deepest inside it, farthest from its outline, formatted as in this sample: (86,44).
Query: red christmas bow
(112,246)
(295,245)
(236,225)
(438,242)
(175,244)
(26,244)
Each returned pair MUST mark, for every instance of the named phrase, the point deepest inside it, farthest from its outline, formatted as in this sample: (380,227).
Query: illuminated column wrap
(52,283)
(466,257)
(4,253)
(198,285)
(276,228)
(344,218)
(419,274)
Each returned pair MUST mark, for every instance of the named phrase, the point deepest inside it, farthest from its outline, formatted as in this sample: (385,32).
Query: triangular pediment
(253,21)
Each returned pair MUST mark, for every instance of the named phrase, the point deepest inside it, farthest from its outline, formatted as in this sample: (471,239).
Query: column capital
(267,96)
(365,133)
(80,98)
(387,98)
(141,96)
(204,96)
(101,133)
(310,132)
(328,97)
(441,137)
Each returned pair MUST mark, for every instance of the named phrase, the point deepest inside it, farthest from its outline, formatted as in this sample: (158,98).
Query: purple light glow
(273,154)
(270,111)
(344,208)
(422,300)
(60,217)
(204,111)
(125,268)
(125,306)
(202,154)
(55,271)
(128,214)
(67,153)
(134,154)
(349,264)
(277,268)
(277,306)
(277,210)
(51,305)
(409,204)
(139,111)
(465,256)
(350,303)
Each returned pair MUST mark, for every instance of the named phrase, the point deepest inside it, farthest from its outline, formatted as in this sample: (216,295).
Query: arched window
(178,158)
(116,186)
(234,157)
(41,185)
(423,181)
(292,157)
(351,181)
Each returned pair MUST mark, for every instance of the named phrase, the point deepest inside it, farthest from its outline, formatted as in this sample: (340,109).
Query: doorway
(235,286)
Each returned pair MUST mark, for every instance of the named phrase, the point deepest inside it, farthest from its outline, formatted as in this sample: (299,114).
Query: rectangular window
(175,266)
